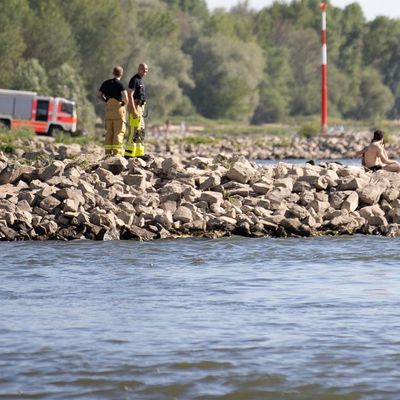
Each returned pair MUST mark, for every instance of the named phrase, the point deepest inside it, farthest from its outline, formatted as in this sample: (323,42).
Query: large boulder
(241,171)
(56,168)
(371,193)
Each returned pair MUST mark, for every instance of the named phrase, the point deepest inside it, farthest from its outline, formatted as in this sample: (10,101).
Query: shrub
(309,130)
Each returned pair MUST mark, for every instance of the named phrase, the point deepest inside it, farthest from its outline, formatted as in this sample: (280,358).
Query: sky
(371,8)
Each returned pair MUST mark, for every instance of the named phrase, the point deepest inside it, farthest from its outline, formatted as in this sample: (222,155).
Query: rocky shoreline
(253,147)
(184,195)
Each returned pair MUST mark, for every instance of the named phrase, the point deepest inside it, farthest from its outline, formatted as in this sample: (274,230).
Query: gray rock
(172,191)
(298,211)
(261,188)
(49,204)
(8,190)
(241,171)
(351,203)
(319,206)
(46,191)
(191,194)
(315,181)
(115,164)
(243,191)
(56,168)
(352,183)
(7,233)
(370,194)
(107,177)
(136,180)
(286,183)
(169,164)
(183,214)
(24,217)
(71,205)
(212,197)
(10,174)
(391,194)
(210,182)
(366,212)
(394,215)
(292,225)
(126,217)
(85,187)
(139,233)
(74,194)
(24,205)
(377,220)
(301,186)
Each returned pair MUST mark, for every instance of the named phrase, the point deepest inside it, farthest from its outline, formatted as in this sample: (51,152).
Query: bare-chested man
(374,156)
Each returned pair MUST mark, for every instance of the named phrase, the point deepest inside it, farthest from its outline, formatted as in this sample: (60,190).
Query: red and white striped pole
(324,70)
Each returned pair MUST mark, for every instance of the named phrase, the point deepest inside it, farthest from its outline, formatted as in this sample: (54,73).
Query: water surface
(237,318)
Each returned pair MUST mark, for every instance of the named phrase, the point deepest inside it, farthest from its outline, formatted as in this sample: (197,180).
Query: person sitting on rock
(374,156)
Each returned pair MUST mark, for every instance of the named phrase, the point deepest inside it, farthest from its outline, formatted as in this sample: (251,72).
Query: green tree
(353,28)
(197,8)
(100,34)
(49,36)
(169,67)
(31,75)
(66,82)
(13,18)
(304,53)
(227,75)
(168,79)
(235,24)
(382,51)
(376,99)
(275,93)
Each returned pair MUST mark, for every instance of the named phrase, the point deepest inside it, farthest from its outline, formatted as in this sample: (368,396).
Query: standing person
(374,156)
(137,100)
(114,93)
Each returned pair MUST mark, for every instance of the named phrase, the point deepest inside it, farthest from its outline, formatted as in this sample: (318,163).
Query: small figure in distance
(167,127)
(115,95)
(374,156)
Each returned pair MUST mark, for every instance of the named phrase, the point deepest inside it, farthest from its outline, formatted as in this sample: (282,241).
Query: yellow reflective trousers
(115,124)
(135,144)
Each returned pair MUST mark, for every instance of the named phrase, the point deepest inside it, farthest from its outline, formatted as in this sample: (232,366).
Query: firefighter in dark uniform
(137,100)
(114,93)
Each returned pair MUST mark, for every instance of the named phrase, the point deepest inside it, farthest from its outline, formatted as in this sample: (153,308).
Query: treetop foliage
(241,64)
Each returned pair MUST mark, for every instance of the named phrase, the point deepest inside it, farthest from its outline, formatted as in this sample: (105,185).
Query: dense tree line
(239,64)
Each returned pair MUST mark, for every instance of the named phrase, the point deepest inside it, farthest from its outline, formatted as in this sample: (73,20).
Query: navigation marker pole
(324,70)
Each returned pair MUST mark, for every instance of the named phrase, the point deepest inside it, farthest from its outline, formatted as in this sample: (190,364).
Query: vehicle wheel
(4,124)
(55,130)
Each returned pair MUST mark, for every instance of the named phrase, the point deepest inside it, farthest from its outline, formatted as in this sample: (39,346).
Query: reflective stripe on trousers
(112,149)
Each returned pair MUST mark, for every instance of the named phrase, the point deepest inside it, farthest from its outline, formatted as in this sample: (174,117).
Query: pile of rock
(267,147)
(253,147)
(209,197)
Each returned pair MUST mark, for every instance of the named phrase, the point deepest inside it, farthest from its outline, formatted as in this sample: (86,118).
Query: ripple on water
(312,318)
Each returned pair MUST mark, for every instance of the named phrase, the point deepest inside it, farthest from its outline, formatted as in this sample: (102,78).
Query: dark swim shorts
(375,168)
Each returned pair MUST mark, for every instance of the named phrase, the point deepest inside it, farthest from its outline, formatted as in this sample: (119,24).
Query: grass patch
(9,138)
(275,130)
(196,139)
(65,138)
(285,142)
(7,148)
(309,130)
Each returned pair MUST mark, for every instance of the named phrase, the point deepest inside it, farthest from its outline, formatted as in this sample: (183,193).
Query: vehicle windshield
(67,108)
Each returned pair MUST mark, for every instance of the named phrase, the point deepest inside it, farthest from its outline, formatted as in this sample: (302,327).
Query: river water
(233,318)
